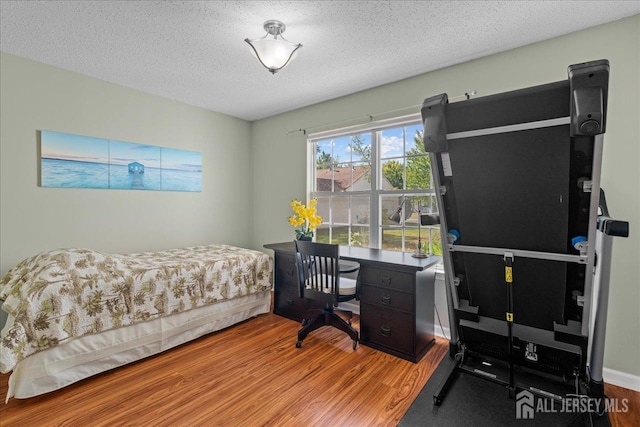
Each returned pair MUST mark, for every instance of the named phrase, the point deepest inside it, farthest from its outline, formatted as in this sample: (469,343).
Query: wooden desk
(396,297)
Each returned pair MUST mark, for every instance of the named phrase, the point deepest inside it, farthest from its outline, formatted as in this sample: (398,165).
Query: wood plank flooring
(249,375)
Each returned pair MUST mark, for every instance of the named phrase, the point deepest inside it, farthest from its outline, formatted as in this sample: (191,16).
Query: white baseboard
(351,306)
(621,379)
(438,332)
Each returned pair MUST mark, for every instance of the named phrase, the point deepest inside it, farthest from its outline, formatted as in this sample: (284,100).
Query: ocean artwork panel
(181,170)
(134,166)
(74,161)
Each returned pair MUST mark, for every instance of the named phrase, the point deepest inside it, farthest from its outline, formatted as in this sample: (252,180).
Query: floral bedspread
(59,295)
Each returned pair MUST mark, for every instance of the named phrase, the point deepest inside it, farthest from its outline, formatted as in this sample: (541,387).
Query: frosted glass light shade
(273,53)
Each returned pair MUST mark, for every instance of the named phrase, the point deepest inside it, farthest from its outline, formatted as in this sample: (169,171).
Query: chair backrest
(318,271)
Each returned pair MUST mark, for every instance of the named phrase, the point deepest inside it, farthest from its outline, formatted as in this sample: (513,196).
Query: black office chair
(319,279)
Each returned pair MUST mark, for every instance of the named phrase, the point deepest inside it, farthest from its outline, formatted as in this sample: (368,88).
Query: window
(371,183)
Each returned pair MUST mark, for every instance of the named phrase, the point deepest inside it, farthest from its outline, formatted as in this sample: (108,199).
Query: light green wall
(36,97)
(252,171)
(279,158)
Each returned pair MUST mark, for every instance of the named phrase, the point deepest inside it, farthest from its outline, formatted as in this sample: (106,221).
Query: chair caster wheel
(355,344)
(299,344)
(304,322)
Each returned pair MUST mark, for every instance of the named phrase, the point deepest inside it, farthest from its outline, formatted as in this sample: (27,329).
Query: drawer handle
(385,331)
(386,280)
(385,299)
(291,267)
(289,302)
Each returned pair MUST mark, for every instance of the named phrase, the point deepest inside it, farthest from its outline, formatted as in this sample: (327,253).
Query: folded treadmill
(526,233)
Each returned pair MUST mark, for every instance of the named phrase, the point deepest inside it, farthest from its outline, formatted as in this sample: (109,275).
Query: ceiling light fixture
(274,53)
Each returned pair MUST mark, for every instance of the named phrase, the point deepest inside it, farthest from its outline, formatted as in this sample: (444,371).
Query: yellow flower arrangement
(306,218)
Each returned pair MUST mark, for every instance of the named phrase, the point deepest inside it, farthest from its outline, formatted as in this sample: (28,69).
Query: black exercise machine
(526,250)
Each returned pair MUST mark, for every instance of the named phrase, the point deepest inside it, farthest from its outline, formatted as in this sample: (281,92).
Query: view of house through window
(371,186)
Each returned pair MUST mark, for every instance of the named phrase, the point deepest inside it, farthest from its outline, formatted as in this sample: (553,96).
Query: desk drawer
(388,279)
(384,297)
(289,304)
(286,271)
(391,328)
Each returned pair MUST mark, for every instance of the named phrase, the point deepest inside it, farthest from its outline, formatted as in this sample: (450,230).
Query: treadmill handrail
(551,256)
(510,128)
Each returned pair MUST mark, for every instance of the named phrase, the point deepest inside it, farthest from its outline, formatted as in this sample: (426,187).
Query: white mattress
(89,355)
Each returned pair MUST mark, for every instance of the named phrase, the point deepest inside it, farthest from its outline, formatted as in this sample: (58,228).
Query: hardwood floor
(250,374)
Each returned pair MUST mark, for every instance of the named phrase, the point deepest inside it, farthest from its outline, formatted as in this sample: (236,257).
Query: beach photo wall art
(74,161)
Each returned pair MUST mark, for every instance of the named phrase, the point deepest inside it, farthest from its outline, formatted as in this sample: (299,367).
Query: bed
(73,313)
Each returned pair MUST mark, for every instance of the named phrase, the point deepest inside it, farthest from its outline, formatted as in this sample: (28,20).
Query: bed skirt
(83,357)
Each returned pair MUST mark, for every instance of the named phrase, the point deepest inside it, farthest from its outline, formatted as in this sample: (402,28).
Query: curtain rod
(466,96)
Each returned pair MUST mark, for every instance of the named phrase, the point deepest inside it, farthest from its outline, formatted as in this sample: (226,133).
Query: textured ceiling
(194,51)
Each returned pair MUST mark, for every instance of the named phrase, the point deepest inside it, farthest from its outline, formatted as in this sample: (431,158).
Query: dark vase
(305,238)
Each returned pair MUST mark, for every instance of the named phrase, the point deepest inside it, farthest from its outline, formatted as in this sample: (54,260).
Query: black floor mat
(473,401)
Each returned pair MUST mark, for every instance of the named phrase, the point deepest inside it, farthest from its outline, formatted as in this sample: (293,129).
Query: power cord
(440,322)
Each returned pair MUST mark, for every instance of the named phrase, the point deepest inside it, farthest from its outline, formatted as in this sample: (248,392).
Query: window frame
(375,192)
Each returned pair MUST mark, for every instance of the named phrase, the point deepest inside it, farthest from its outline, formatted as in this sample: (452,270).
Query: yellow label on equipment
(508,274)
(509,317)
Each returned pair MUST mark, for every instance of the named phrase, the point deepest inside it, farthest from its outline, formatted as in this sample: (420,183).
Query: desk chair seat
(319,279)
(347,288)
